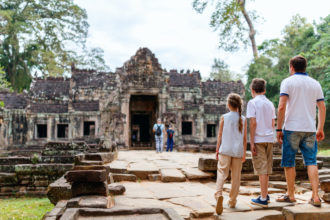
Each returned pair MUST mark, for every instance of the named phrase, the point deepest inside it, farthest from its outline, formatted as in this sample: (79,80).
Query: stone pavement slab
(196,174)
(256,215)
(306,212)
(199,207)
(172,175)
(142,170)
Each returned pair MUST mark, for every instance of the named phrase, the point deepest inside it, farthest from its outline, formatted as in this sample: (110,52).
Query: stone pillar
(125,110)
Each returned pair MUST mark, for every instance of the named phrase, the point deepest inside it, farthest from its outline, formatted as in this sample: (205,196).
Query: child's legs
(236,168)
(171,144)
(168,144)
(222,173)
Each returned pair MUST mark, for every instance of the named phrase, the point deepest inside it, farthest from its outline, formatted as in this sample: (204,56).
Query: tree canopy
(220,71)
(41,36)
(299,38)
(233,21)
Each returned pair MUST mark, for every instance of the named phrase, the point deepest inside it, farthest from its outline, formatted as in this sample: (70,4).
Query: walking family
(296,129)
(159,130)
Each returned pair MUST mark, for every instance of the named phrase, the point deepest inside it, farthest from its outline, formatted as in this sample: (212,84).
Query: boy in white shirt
(261,113)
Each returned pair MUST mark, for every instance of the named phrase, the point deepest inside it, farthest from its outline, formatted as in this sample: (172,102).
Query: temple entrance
(143,113)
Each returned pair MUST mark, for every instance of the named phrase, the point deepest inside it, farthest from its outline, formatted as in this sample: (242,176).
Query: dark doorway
(186,128)
(210,130)
(41,131)
(89,128)
(62,130)
(143,115)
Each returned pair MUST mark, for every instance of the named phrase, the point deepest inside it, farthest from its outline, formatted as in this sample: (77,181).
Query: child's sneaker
(219,207)
(259,202)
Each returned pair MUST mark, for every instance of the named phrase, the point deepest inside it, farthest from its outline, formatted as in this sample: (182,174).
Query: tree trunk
(252,32)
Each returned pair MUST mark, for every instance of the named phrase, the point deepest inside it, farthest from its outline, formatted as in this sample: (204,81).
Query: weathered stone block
(7,179)
(207,164)
(59,190)
(86,176)
(116,189)
(81,189)
(124,177)
(306,212)
(172,175)
(326,197)
(154,177)
(89,202)
(195,174)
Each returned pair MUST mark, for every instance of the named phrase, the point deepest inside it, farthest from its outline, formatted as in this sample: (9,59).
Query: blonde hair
(235,101)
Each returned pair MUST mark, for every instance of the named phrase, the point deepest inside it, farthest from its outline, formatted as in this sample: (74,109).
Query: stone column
(125,110)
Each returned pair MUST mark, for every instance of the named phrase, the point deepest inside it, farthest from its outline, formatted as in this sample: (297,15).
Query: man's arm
(281,116)
(253,126)
(321,120)
(219,137)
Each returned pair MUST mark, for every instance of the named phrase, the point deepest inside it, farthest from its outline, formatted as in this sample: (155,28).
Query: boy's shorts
(305,141)
(263,161)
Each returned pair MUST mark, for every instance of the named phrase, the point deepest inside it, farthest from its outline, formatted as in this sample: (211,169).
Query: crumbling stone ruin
(118,108)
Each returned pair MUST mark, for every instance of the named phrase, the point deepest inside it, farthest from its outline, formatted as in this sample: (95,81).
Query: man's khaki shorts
(263,161)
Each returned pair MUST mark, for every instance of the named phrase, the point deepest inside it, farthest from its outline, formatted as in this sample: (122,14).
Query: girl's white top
(232,138)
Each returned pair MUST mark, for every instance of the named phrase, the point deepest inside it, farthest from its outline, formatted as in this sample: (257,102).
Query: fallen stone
(307,211)
(86,176)
(59,190)
(116,189)
(142,171)
(118,166)
(200,209)
(326,197)
(207,164)
(325,185)
(89,202)
(89,188)
(124,177)
(104,157)
(254,215)
(154,177)
(172,175)
(195,174)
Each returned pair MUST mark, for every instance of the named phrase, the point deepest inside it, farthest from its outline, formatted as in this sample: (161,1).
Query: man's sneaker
(259,202)
(219,207)
(268,199)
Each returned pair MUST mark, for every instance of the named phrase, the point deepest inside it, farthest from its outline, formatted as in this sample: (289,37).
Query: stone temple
(119,107)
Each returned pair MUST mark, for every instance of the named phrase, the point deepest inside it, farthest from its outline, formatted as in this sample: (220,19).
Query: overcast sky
(180,37)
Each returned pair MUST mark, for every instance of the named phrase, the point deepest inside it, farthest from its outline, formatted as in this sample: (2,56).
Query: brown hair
(258,85)
(299,63)
(235,101)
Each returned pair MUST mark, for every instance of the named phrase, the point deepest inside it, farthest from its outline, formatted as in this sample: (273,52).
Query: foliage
(35,158)
(220,71)
(24,208)
(234,23)
(299,37)
(36,36)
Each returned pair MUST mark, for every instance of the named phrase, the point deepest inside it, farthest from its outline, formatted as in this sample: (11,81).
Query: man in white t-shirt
(299,96)
(159,130)
(261,113)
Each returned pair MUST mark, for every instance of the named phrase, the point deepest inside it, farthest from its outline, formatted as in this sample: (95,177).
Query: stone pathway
(173,180)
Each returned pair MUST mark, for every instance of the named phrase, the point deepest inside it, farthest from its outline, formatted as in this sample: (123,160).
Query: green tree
(39,36)
(220,71)
(4,85)
(233,21)
(299,37)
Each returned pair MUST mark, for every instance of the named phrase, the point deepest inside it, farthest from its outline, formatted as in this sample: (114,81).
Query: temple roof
(143,62)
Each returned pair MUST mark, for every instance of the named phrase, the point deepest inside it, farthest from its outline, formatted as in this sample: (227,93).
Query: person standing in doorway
(159,130)
(170,140)
(296,126)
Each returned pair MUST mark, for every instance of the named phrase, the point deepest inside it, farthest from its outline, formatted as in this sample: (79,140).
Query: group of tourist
(296,129)
(159,130)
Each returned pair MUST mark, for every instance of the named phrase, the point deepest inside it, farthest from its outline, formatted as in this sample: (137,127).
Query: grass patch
(24,208)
